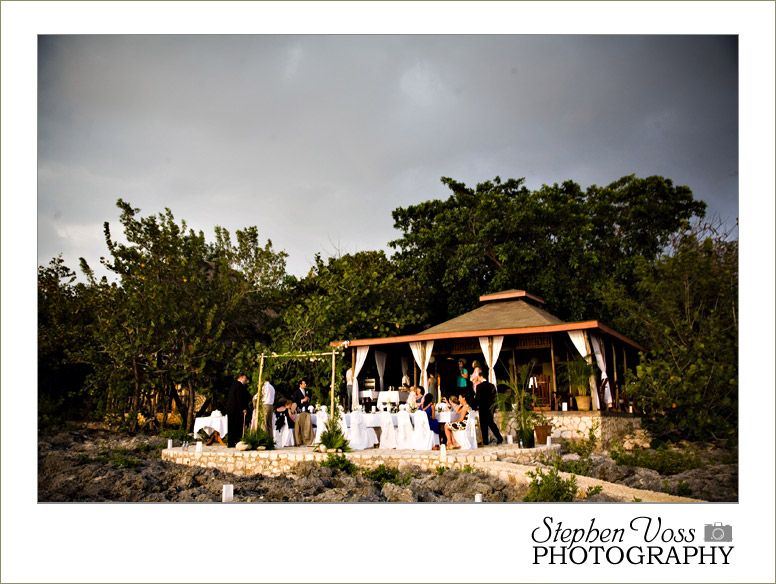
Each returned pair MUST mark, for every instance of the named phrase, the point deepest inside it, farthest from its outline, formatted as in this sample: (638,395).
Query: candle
(443,451)
(227,494)
(169,443)
(199,446)
(510,439)
(630,409)
(478,498)
(565,407)
(549,440)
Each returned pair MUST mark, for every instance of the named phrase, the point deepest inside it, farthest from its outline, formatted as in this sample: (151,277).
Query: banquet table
(373,420)
(210,424)
(387,396)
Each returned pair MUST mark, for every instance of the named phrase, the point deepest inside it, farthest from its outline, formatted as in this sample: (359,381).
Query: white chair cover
(344,427)
(387,431)
(358,437)
(467,438)
(422,436)
(284,437)
(371,437)
(404,429)
(321,419)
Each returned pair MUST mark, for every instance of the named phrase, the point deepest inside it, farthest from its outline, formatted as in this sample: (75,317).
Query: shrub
(586,446)
(340,462)
(178,433)
(468,469)
(259,437)
(550,487)
(664,460)
(384,475)
(593,490)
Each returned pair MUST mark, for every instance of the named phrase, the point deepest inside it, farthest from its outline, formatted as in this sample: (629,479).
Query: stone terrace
(491,459)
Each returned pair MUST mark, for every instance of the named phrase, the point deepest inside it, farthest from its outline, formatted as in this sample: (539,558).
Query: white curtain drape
(380,358)
(404,367)
(422,353)
(597,344)
(491,352)
(361,353)
(578,338)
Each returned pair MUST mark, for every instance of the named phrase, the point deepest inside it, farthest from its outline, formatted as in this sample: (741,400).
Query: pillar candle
(227,495)
(169,443)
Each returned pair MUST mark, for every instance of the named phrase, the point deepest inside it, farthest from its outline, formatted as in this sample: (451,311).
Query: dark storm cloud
(315,139)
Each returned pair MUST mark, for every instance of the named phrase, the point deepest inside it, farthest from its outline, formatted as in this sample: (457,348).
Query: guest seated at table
(421,392)
(285,414)
(412,399)
(429,407)
(450,427)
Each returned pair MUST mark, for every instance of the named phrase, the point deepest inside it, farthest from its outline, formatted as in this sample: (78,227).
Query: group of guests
(475,392)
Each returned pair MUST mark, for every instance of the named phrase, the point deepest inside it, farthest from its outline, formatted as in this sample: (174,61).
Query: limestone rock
(242,446)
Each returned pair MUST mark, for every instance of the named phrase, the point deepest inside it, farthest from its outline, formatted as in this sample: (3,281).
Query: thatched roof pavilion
(509,329)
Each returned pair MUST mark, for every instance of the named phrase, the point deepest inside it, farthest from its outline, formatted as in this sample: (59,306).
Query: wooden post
(333,364)
(593,384)
(552,360)
(259,408)
(414,372)
(353,369)
(616,383)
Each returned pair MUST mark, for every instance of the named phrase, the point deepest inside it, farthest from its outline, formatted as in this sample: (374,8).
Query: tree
(558,242)
(357,295)
(178,308)
(686,309)
(64,313)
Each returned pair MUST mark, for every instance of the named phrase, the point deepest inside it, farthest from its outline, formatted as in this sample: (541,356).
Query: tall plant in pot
(516,406)
(577,374)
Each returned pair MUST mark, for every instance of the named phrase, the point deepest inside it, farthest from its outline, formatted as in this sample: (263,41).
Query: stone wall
(277,462)
(577,425)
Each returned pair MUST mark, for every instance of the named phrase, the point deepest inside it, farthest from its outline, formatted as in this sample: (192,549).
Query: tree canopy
(558,242)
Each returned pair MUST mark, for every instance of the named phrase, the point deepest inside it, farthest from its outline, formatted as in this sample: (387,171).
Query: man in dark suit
(237,409)
(303,430)
(484,396)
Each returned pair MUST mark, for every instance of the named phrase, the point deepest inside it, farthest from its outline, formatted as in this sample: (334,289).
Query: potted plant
(542,427)
(515,405)
(577,373)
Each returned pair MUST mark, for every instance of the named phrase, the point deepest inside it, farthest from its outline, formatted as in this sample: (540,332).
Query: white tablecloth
(387,396)
(370,394)
(371,420)
(220,424)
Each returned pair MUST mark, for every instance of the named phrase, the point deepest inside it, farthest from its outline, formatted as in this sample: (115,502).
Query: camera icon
(717,532)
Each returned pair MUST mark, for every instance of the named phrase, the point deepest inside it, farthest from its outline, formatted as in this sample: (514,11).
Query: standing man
(269,402)
(484,396)
(237,409)
(303,429)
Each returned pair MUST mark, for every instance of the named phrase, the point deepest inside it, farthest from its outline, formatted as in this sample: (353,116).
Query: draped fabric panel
(578,339)
(422,353)
(597,343)
(380,358)
(361,353)
(491,348)
(405,364)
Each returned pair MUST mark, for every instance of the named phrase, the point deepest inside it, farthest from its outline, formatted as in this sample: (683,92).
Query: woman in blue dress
(429,407)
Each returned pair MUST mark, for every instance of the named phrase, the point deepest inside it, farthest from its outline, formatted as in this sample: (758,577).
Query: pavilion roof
(510,314)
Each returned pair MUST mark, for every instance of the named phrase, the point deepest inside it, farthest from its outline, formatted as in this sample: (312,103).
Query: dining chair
(387,431)
(422,436)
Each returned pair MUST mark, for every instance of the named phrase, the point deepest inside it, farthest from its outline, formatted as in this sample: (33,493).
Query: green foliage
(665,460)
(586,446)
(553,241)
(685,308)
(469,469)
(178,433)
(257,438)
(332,437)
(637,500)
(576,374)
(340,462)
(440,470)
(583,466)
(550,487)
(683,489)
(591,491)
(383,475)
(515,404)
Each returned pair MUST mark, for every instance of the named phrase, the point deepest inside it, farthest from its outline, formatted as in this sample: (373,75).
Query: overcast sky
(316,139)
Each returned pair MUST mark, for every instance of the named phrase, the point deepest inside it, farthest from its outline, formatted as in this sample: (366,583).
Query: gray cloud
(315,139)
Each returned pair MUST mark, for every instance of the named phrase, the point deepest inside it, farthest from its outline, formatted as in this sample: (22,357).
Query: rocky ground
(97,465)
